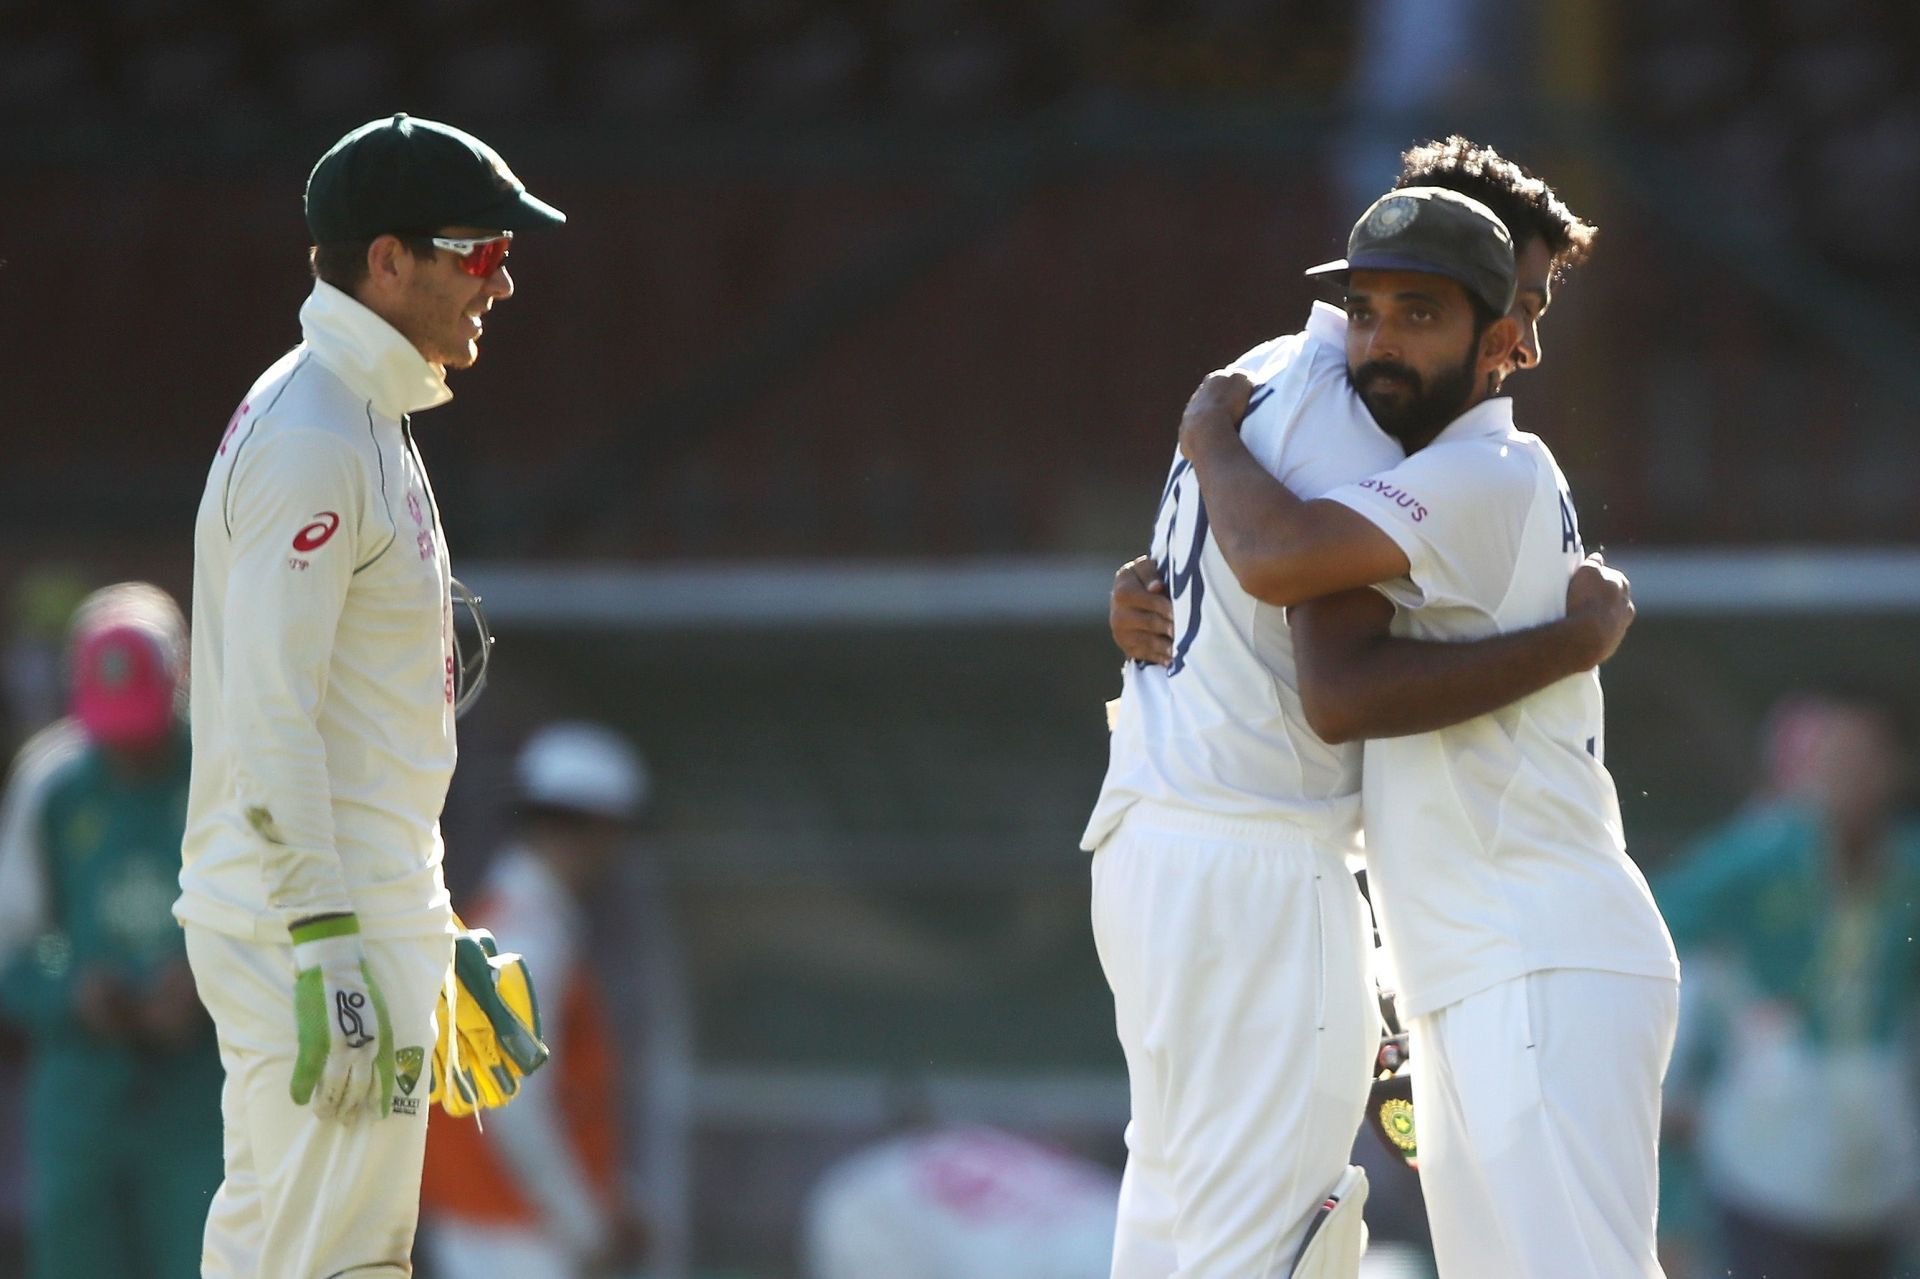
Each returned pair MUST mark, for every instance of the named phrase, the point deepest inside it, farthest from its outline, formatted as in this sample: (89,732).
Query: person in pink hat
(123,1119)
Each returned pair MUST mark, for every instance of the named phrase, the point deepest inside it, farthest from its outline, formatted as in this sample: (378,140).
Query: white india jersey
(1495,847)
(1220,730)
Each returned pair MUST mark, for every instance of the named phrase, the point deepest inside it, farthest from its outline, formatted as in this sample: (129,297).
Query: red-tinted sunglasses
(479,257)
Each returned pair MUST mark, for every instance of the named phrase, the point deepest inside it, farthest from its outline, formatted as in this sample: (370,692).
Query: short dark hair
(1484,318)
(343,263)
(1528,206)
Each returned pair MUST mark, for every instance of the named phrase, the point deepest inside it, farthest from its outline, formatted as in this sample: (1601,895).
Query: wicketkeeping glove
(344,1063)
(489,1027)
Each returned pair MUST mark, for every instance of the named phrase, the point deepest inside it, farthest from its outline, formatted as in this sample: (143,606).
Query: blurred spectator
(1420,69)
(961,1202)
(42,602)
(1792,1088)
(538,1194)
(123,1127)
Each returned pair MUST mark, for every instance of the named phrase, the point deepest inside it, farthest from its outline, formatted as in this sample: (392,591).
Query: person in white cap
(537,1194)
(123,1112)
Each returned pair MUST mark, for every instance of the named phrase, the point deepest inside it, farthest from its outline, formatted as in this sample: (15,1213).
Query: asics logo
(314,536)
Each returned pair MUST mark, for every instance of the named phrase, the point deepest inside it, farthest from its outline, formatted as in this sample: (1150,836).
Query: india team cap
(408,175)
(1436,231)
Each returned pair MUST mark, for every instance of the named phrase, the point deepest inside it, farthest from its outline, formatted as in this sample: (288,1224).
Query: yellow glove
(489,1022)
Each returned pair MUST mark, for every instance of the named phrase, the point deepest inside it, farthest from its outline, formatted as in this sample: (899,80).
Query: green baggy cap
(413,176)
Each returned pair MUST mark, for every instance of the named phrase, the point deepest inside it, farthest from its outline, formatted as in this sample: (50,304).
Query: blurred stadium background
(806,450)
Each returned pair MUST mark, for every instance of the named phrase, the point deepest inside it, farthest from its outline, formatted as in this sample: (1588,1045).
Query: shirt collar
(1328,323)
(369,354)
(1492,416)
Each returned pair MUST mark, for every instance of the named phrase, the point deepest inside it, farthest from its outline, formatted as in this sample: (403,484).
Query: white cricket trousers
(1538,1106)
(305,1198)
(1239,955)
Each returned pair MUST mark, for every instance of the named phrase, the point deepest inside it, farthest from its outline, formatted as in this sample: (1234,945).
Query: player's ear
(1498,342)
(384,256)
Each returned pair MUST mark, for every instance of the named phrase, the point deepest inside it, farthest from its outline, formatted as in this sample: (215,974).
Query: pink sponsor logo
(233,424)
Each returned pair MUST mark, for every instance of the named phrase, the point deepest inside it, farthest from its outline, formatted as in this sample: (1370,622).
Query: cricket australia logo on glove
(349,1009)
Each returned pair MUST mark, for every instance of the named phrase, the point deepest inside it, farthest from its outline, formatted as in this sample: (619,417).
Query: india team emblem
(407,1063)
(1391,216)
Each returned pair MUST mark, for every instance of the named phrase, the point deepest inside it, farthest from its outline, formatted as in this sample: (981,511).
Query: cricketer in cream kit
(317,919)
(323,744)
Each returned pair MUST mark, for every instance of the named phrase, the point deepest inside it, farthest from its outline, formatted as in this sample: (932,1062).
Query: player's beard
(1425,409)
(434,319)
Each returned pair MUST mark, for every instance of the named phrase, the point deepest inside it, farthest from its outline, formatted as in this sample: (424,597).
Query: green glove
(344,1064)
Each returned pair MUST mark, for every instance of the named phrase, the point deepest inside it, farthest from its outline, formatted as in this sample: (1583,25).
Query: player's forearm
(1387,686)
(276,657)
(285,797)
(1257,523)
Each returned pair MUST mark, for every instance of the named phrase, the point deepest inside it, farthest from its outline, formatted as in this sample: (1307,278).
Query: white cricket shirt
(1495,847)
(1221,731)
(322,696)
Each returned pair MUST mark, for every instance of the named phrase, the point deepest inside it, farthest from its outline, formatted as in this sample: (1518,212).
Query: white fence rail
(1073,590)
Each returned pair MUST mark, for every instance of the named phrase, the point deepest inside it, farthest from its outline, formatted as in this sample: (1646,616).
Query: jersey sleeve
(293,511)
(1457,510)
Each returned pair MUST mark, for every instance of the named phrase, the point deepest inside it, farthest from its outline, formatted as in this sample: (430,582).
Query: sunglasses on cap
(481,256)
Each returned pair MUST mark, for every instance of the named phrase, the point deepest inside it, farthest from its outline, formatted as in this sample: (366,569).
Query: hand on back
(1600,601)
(1217,404)
(1139,613)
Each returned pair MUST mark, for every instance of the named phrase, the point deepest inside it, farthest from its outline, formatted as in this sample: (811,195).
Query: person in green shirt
(123,1107)
(1791,1097)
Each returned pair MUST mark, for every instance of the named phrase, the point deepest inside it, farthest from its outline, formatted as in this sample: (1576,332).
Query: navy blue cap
(407,175)
(1438,232)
